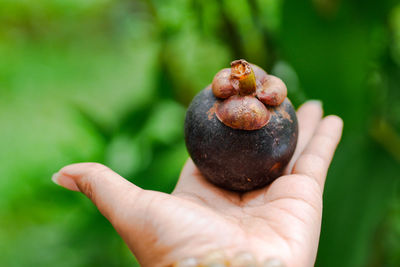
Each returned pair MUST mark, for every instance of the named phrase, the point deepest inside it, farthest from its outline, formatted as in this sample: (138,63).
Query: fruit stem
(242,72)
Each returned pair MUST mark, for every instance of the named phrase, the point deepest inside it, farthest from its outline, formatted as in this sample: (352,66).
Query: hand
(280,221)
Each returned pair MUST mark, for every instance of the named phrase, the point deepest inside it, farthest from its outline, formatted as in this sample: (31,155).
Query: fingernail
(273,262)
(244,259)
(187,262)
(315,102)
(54,178)
(64,181)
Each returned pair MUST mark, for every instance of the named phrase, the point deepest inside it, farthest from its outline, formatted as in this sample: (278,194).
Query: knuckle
(327,140)
(313,186)
(312,159)
(93,170)
(86,188)
(94,166)
(89,178)
(311,165)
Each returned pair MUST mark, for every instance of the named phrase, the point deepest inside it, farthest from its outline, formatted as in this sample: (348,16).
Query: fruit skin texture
(239,160)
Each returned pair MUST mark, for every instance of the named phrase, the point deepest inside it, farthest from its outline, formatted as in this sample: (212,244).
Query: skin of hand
(282,220)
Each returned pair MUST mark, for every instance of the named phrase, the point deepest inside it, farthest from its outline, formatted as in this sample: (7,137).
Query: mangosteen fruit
(241,131)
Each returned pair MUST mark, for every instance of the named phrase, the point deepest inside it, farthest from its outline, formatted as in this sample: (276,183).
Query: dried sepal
(222,86)
(272,91)
(243,112)
(245,79)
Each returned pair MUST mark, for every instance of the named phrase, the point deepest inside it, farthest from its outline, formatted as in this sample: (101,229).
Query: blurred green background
(109,81)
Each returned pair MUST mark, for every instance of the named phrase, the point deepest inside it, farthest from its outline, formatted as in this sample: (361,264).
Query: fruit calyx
(244,94)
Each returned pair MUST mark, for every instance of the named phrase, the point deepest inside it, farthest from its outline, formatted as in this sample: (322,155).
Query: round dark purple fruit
(241,131)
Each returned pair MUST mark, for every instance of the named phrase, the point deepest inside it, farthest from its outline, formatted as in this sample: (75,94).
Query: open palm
(280,221)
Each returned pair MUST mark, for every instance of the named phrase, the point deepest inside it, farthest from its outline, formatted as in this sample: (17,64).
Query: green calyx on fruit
(244,91)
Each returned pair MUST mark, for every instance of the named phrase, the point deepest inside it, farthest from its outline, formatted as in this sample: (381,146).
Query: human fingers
(105,188)
(308,115)
(316,157)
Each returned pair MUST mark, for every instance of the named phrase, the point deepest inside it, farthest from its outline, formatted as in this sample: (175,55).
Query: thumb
(105,188)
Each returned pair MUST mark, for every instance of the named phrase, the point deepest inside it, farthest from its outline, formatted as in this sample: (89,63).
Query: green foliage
(108,81)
